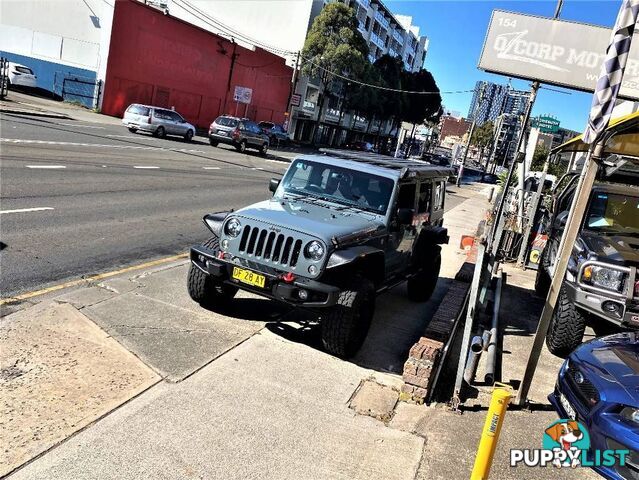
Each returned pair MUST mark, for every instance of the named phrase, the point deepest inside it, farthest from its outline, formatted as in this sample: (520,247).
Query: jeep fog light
(612,307)
(224,244)
(312,269)
(302,294)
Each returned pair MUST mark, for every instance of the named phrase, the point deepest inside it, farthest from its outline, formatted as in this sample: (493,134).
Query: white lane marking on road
(144,166)
(24,210)
(211,168)
(122,147)
(46,166)
(81,126)
(257,168)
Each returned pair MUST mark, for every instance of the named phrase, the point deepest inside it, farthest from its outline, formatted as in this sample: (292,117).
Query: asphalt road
(92,197)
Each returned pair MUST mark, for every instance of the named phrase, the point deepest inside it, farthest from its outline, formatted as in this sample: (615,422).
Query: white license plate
(567,407)
(221,132)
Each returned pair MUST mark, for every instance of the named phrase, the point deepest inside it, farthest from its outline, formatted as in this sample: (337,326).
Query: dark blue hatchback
(598,385)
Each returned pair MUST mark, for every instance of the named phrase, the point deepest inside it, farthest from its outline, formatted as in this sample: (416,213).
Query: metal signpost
(242,95)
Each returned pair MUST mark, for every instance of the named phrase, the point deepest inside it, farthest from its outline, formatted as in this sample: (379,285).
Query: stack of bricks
(425,355)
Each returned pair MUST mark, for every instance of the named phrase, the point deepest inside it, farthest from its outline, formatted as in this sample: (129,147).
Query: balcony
(399,38)
(309,105)
(377,41)
(379,16)
(365,3)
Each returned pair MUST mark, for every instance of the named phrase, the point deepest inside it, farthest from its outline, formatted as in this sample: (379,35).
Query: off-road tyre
(203,288)
(567,327)
(543,279)
(264,149)
(421,287)
(345,325)
(188,136)
(160,132)
(241,147)
(212,142)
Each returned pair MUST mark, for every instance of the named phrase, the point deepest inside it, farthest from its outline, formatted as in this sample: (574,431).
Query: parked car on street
(276,133)
(21,76)
(361,146)
(238,132)
(598,385)
(157,121)
(339,229)
(601,287)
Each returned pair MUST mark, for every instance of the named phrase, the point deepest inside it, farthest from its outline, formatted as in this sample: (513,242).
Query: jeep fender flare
(214,221)
(369,260)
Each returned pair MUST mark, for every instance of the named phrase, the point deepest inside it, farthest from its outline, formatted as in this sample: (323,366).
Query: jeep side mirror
(273,184)
(405,216)
(560,221)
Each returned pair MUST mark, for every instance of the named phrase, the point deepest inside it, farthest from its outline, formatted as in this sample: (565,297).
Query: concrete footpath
(144,383)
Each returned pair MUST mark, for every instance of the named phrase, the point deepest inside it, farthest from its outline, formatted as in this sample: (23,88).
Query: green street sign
(546,124)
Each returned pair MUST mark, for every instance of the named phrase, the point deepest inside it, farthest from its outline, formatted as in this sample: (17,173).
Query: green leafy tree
(483,137)
(539,158)
(420,108)
(333,46)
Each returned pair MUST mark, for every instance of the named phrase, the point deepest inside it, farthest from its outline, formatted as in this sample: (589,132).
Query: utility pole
(289,107)
(228,83)
(470,134)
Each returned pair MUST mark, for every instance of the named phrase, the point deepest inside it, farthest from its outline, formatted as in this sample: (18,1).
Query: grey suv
(338,230)
(158,121)
(238,132)
(601,286)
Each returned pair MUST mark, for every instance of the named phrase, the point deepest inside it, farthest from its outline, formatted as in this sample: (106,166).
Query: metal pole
(531,215)
(494,242)
(491,356)
(470,135)
(568,239)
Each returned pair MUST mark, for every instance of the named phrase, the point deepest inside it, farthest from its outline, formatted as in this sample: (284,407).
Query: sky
(456,29)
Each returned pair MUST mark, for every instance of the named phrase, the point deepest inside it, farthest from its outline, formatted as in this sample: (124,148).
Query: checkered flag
(612,70)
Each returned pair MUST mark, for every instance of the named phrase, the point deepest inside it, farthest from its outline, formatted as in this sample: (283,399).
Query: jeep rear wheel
(422,285)
(567,327)
(205,289)
(344,327)
(542,280)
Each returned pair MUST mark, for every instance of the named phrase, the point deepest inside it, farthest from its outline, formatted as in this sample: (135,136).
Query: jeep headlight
(630,413)
(314,250)
(603,277)
(233,227)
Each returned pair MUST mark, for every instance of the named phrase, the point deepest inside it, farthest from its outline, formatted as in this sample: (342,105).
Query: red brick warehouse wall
(160,60)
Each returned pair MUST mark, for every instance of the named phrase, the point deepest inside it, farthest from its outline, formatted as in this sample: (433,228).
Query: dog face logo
(569,436)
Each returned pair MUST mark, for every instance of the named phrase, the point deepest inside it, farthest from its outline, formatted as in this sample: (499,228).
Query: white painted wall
(279,23)
(70,32)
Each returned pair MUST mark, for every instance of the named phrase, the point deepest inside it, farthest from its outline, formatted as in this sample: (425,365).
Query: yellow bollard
(490,434)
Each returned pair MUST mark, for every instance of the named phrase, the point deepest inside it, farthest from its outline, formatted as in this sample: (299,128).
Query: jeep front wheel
(567,327)
(422,285)
(205,289)
(345,325)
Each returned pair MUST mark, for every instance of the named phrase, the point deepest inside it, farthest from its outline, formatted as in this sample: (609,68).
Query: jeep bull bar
(285,287)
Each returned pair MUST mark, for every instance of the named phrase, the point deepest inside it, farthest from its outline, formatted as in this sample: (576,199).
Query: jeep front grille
(272,246)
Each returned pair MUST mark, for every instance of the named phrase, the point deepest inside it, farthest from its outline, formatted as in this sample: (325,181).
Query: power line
(379,87)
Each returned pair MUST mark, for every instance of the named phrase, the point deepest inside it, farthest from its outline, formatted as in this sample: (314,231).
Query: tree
(333,46)
(420,108)
(539,158)
(483,137)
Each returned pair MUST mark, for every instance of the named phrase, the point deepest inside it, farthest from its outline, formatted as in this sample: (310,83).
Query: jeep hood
(322,220)
(614,248)
(613,362)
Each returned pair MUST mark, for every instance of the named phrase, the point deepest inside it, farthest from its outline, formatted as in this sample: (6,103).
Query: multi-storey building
(495,100)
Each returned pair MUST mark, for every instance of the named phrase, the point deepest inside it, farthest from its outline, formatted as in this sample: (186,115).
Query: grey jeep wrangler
(601,287)
(339,229)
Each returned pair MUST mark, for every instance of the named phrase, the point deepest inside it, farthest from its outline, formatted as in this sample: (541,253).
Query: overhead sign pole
(608,86)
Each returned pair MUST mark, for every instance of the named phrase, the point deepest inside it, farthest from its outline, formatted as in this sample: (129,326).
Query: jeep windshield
(611,213)
(344,186)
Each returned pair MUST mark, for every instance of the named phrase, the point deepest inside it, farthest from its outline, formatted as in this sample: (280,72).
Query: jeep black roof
(399,167)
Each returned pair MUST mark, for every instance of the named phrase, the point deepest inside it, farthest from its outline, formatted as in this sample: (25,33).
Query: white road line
(23,210)
(257,168)
(81,126)
(211,168)
(121,147)
(46,166)
(144,166)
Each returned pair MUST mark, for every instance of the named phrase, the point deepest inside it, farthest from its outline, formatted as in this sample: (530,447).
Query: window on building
(367,25)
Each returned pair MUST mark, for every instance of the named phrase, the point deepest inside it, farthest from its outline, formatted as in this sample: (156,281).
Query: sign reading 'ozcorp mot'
(557,52)
(545,124)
